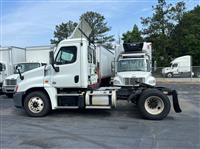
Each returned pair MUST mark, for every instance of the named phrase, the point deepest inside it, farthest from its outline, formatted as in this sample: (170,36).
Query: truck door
(175,69)
(68,61)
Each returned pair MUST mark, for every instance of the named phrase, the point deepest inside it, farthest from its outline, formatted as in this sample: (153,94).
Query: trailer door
(68,61)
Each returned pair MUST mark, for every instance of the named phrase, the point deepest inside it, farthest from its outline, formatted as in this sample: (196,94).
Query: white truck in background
(8,57)
(71,80)
(10,82)
(36,56)
(134,64)
(180,67)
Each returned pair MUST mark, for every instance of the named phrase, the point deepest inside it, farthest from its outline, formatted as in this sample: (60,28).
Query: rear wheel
(37,104)
(153,104)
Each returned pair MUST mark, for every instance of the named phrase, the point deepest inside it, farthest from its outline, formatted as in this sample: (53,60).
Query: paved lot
(120,128)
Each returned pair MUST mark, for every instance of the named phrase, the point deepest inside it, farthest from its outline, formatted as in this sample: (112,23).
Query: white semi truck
(70,82)
(181,67)
(134,65)
(36,56)
(8,57)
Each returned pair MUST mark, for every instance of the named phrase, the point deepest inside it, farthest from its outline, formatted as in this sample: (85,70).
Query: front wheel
(37,104)
(153,104)
(169,75)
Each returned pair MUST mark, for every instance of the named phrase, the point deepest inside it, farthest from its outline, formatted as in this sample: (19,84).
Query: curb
(179,80)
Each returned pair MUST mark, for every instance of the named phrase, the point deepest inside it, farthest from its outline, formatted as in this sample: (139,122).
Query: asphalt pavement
(121,128)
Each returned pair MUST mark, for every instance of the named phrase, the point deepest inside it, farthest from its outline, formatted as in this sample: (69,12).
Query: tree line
(172,30)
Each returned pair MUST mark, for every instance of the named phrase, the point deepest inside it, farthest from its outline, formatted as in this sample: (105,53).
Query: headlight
(152,82)
(4,83)
(116,82)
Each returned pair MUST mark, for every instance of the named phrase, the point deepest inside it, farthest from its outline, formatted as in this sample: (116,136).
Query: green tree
(63,31)
(99,27)
(132,36)
(159,27)
(186,36)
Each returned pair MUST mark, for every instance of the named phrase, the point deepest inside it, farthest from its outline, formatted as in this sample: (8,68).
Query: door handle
(76,79)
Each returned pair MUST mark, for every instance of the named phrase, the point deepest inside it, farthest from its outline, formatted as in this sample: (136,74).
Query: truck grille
(11,82)
(132,81)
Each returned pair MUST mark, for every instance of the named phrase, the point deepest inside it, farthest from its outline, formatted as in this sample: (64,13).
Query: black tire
(9,95)
(42,97)
(154,94)
(169,75)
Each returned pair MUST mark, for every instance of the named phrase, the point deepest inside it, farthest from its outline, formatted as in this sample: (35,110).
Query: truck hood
(166,69)
(136,74)
(32,78)
(37,72)
(12,77)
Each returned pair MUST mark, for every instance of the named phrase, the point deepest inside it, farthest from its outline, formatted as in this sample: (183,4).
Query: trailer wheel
(153,104)
(36,104)
(169,75)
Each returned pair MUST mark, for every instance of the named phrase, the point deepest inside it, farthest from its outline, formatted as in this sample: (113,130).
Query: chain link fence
(176,72)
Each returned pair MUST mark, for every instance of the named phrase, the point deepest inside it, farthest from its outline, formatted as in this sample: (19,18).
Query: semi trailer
(71,81)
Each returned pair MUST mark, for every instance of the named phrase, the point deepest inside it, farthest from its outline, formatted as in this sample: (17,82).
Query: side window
(174,65)
(66,55)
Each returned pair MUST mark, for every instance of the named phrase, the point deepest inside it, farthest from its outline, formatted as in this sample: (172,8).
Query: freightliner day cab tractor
(134,65)
(71,82)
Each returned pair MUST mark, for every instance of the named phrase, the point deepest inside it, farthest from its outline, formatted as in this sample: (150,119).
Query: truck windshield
(131,65)
(26,67)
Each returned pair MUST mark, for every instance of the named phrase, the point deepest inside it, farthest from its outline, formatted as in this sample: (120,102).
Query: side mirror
(1,67)
(18,68)
(113,67)
(52,62)
(51,58)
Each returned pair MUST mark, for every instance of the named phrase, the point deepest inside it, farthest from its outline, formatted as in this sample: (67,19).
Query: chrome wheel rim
(36,104)
(154,105)
(169,75)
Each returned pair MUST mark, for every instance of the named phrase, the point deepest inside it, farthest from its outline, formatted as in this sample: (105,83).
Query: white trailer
(133,65)
(8,57)
(38,54)
(68,82)
(105,57)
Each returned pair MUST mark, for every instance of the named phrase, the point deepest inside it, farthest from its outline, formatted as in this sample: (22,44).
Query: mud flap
(176,105)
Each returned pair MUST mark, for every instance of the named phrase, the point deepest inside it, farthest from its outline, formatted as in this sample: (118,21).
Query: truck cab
(179,67)
(133,66)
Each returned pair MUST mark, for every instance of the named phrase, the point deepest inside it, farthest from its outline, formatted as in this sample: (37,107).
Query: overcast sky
(32,22)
